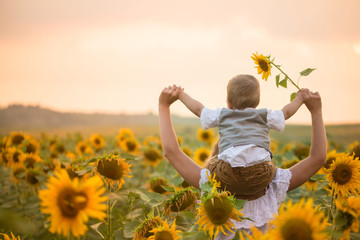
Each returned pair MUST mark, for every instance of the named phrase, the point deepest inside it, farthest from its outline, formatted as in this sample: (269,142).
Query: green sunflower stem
(332,213)
(109,215)
(287,77)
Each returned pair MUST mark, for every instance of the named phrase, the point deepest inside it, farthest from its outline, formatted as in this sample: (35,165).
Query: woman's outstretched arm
(305,169)
(185,166)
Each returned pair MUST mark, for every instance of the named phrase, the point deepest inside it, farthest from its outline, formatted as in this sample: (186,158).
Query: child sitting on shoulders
(243,164)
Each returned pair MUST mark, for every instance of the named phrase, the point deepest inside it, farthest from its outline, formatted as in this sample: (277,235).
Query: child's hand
(169,95)
(312,100)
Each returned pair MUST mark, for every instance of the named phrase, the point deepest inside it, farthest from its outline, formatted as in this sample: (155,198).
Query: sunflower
(152,156)
(15,157)
(155,184)
(347,215)
(97,141)
(142,232)
(70,203)
(114,169)
(253,234)
(206,136)
(311,185)
(31,177)
(180,201)
(330,158)
(344,175)
(16,138)
(123,134)
(188,151)
(301,151)
(83,147)
(263,65)
(289,163)
(216,213)
(164,232)
(201,155)
(130,145)
(6,237)
(274,146)
(299,221)
(30,159)
(57,148)
(287,148)
(18,174)
(3,142)
(30,145)
(152,141)
(354,149)
(4,157)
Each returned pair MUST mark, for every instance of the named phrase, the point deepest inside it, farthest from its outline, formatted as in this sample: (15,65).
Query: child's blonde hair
(243,91)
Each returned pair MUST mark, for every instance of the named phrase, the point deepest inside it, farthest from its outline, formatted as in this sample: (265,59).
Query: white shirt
(246,155)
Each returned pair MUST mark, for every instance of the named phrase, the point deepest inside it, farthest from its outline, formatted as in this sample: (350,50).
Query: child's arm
(304,170)
(292,107)
(193,105)
(186,167)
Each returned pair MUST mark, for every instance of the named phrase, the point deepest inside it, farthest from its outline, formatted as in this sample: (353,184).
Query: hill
(36,120)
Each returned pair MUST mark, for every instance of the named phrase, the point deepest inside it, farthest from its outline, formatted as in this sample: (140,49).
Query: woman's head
(243,91)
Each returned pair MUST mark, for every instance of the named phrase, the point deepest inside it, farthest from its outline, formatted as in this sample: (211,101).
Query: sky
(116,56)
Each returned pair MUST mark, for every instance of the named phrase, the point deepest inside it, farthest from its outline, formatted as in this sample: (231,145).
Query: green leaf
(194,236)
(292,96)
(318,177)
(307,71)
(130,227)
(277,78)
(239,203)
(283,82)
(176,180)
(206,187)
(167,188)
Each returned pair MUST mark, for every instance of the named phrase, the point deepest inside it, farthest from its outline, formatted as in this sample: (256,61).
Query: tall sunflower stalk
(264,65)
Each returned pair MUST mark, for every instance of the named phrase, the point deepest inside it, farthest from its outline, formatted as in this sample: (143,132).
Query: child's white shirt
(245,155)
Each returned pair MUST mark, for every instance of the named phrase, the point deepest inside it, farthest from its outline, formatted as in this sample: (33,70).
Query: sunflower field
(122,187)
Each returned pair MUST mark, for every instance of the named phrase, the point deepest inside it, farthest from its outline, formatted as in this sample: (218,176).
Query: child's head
(243,91)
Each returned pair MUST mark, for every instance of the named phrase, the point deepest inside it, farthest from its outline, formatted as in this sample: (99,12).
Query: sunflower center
(30,148)
(263,65)
(5,157)
(205,135)
(296,229)
(342,174)
(16,157)
(218,210)
(61,148)
(82,148)
(71,202)
(151,155)
(29,162)
(17,139)
(97,141)
(203,157)
(130,145)
(110,168)
(329,161)
(356,152)
(163,235)
(31,179)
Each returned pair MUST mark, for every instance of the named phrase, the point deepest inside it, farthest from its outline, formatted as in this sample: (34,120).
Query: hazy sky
(116,56)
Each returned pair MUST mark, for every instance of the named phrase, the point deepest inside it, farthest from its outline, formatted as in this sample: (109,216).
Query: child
(243,165)
(260,210)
